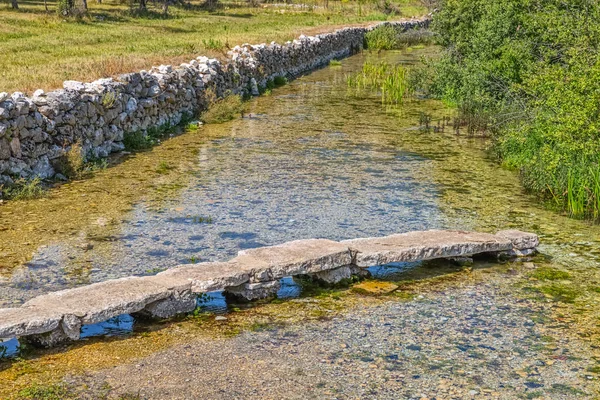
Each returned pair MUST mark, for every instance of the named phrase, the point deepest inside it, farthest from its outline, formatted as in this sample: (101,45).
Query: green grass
(335,63)
(223,110)
(41,50)
(389,79)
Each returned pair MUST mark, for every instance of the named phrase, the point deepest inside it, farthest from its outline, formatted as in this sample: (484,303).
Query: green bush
(531,69)
(382,38)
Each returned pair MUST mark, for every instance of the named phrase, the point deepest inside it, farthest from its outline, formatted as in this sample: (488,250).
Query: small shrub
(382,38)
(223,110)
(24,189)
(109,99)
(136,141)
(387,7)
(72,163)
(280,81)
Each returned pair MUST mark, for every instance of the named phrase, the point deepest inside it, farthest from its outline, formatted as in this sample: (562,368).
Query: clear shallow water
(310,160)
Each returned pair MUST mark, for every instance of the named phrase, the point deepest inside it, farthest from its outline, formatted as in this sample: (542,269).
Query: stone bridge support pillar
(253,291)
(337,275)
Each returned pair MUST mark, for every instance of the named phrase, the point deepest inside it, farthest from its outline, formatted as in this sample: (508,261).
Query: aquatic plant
(388,37)
(45,392)
(223,110)
(389,79)
(550,274)
(164,167)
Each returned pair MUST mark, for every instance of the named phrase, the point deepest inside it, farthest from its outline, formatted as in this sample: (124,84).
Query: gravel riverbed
(472,340)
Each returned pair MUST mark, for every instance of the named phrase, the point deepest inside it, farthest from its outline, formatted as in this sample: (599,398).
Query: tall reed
(389,79)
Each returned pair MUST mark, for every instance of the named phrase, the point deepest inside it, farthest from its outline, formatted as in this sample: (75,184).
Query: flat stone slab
(15,322)
(424,245)
(293,258)
(101,301)
(205,277)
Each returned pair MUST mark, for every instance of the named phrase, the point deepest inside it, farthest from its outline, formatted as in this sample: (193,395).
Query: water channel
(310,160)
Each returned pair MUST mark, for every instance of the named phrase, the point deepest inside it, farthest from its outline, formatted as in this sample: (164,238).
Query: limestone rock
(520,240)
(293,258)
(253,291)
(337,275)
(177,303)
(73,85)
(374,288)
(425,245)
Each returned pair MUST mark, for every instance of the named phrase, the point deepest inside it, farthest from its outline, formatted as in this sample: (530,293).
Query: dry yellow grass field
(40,49)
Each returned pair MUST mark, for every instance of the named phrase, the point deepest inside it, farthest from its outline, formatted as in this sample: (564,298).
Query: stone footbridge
(57,317)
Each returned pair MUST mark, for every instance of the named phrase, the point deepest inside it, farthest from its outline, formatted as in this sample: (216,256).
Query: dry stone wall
(35,132)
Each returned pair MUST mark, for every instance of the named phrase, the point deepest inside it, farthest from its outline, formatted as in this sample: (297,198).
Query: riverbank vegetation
(528,72)
(41,48)
(389,79)
(223,110)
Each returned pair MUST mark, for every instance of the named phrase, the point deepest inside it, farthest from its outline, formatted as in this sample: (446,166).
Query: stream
(310,160)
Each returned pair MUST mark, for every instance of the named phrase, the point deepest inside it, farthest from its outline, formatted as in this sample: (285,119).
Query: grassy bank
(528,73)
(41,49)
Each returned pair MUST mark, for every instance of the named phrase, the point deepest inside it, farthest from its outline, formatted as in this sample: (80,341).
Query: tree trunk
(14,4)
(46,5)
(142,4)
(85,5)
(166,7)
